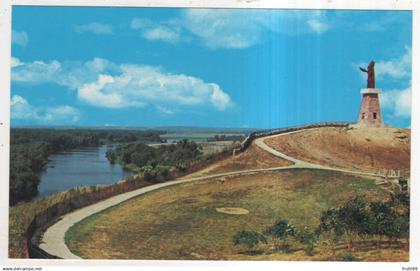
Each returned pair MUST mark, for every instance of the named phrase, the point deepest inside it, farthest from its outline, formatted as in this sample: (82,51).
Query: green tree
(381,216)
(308,239)
(110,155)
(249,239)
(355,217)
(332,226)
(280,231)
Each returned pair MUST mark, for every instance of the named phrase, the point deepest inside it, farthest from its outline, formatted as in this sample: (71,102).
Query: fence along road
(53,239)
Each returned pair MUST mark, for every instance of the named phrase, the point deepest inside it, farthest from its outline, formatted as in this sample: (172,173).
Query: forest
(30,149)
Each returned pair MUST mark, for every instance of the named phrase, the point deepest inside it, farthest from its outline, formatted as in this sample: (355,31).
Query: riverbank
(79,167)
(50,208)
(30,149)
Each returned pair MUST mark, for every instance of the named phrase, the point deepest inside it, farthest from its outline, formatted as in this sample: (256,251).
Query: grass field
(182,222)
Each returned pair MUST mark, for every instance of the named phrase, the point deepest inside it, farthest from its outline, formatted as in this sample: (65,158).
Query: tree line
(222,137)
(156,163)
(357,218)
(30,149)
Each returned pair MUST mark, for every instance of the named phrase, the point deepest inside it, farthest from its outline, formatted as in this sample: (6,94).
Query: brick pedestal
(370,114)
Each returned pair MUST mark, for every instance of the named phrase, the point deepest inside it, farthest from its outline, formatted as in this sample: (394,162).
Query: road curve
(303,164)
(53,238)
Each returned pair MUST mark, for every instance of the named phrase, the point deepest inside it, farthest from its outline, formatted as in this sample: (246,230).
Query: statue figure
(371,74)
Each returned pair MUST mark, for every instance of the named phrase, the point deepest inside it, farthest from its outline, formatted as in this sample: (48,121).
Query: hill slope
(365,149)
(183,221)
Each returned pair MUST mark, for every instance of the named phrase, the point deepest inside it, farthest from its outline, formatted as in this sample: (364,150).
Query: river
(79,167)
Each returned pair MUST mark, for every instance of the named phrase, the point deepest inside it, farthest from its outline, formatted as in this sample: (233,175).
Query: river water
(79,167)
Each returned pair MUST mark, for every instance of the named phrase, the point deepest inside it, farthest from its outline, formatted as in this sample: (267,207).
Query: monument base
(370,91)
(370,111)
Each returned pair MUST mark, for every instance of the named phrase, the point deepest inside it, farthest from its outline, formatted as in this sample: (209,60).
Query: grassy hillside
(369,149)
(182,222)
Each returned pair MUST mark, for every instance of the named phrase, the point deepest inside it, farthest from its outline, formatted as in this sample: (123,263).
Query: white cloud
(35,72)
(140,23)
(373,27)
(20,38)
(72,74)
(397,68)
(398,102)
(63,112)
(230,28)
(223,28)
(162,33)
(236,28)
(218,98)
(165,110)
(95,27)
(22,110)
(14,62)
(137,86)
(94,94)
(166,31)
(102,83)
(381,23)
(317,25)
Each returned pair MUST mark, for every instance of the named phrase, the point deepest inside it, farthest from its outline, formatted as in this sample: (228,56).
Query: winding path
(260,142)
(53,240)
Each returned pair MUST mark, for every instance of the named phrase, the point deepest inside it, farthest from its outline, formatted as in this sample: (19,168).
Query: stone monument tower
(370,111)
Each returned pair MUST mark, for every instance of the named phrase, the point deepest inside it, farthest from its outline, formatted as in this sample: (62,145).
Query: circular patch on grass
(232,211)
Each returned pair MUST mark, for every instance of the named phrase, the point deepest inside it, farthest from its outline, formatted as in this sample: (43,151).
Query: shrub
(347,257)
(361,218)
(308,239)
(280,231)
(249,239)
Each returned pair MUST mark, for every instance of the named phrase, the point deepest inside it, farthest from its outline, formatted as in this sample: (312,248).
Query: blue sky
(214,68)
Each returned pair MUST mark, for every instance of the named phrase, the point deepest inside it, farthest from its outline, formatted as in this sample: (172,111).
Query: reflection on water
(79,167)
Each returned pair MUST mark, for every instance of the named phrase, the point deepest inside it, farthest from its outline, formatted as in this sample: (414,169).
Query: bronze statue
(371,74)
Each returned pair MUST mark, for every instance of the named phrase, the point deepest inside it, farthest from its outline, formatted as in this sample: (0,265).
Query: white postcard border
(5,54)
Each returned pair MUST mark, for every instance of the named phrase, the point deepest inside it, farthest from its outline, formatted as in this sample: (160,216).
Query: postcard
(204,133)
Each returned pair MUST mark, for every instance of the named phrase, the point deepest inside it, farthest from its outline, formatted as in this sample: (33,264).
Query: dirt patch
(367,149)
(232,210)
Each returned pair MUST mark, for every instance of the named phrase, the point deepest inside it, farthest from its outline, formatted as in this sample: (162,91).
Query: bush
(110,155)
(347,257)
(308,239)
(362,218)
(280,231)
(249,239)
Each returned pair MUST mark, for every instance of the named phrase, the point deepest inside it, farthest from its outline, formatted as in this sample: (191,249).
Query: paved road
(53,238)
